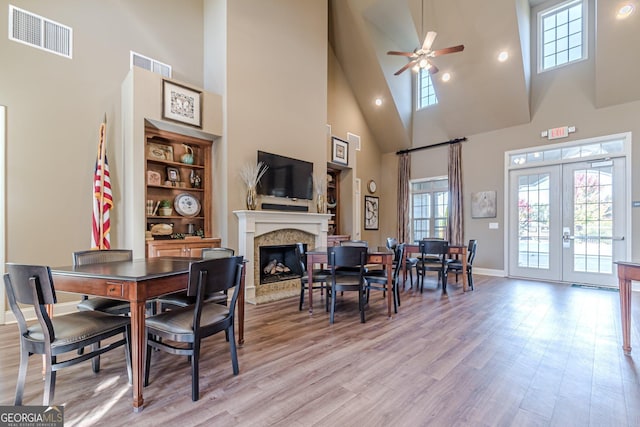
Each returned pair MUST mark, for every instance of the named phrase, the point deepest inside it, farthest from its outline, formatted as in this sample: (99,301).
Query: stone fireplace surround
(257,228)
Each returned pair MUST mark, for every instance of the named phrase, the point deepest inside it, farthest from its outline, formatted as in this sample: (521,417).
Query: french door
(567,221)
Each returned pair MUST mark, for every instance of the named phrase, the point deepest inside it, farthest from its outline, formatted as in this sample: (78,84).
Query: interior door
(567,222)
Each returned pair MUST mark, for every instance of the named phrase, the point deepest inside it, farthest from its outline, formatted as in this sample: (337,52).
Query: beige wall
(55,106)
(345,116)
(276,92)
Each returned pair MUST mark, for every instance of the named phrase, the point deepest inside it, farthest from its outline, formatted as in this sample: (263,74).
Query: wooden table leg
(465,282)
(389,289)
(138,349)
(625,313)
(310,281)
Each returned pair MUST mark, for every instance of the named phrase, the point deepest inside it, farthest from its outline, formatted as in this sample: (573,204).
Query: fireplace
(270,229)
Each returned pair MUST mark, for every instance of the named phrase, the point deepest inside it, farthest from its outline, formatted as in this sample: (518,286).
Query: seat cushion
(79,326)
(107,305)
(181,299)
(180,320)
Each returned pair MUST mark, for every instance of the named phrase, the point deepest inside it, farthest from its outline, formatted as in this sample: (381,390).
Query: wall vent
(42,33)
(354,139)
(149,64)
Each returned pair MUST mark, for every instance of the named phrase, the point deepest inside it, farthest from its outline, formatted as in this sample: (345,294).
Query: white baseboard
(489,272)
(30,314)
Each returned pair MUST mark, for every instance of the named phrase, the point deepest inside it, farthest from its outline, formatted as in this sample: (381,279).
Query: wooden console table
(627,271)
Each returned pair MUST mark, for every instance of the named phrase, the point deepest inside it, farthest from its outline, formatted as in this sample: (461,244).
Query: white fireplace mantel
(252,224)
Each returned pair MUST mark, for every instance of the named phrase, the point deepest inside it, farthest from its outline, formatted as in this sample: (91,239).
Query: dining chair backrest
(434,248)
(473,246)
(357,243)
(97,256)
(392,242)
(347,256)
(215,253)
(301,256)
(40,290)
(213,275)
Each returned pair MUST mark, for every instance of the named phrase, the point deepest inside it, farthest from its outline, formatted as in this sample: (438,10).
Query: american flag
(102,197)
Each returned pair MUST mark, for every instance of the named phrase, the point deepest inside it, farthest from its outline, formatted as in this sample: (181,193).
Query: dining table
(136,281)
(381,257)
(455,250)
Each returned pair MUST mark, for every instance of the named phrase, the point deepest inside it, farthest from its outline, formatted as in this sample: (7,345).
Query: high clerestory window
(426,92)
(562,35)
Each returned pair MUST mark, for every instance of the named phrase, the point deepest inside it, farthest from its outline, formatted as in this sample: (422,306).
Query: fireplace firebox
(278,263)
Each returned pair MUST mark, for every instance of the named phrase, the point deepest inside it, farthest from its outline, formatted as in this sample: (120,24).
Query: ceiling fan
(421,57)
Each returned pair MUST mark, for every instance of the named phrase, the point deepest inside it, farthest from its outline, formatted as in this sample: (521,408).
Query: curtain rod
(451,141)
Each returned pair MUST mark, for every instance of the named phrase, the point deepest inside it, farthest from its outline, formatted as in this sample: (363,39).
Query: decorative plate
(186,205)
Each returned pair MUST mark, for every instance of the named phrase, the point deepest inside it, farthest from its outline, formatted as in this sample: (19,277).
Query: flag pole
(101,164)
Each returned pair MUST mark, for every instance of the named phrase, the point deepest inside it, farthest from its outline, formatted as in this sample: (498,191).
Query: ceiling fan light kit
(420,58)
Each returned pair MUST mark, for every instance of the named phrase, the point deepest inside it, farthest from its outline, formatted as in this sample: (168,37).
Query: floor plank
(510,353)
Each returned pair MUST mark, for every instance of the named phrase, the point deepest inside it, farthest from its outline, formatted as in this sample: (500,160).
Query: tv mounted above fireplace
(286,177)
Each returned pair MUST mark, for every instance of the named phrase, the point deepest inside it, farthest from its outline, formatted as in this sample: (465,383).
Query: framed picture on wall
(181,104)
(339,151)
(483,204)
(371,209)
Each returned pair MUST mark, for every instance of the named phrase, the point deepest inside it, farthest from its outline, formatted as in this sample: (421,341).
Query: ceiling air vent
(37,31)
(150,64)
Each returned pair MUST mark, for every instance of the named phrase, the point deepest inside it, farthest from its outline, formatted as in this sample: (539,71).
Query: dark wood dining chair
(105,305)
(433,257)
(411,262)
(318,275)
(32,285)
(352,258)
(455,265)
(182,299)
(181,331)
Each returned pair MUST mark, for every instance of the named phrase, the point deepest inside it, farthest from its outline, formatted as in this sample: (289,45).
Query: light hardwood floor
(510,353)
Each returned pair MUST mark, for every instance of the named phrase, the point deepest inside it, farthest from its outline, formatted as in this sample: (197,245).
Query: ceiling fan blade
(393,52)
(428,40)
(446,50)
(409,65)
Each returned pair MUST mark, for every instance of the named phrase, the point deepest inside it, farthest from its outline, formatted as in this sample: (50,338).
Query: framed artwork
(340,151)
(159,152)
(173,174)
(483,204)
(371,204)
(181,104)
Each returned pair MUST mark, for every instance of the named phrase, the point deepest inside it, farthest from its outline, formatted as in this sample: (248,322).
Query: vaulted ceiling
(483,94)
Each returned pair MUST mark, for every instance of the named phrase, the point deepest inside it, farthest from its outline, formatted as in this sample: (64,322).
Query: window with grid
(429,208)
(426,92)
(561,35)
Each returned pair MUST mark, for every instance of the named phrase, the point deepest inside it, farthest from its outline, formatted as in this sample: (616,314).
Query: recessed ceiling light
(446,77)
(625,11)
(503,56)
(378,101)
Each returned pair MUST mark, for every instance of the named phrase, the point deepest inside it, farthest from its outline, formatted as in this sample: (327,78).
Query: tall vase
(252,199)
(320,207)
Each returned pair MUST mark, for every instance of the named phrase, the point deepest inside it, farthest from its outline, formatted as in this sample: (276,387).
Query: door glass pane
(593,214)
(533,218)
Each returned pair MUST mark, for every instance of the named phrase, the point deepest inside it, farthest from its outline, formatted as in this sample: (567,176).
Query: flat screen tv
(286,177)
